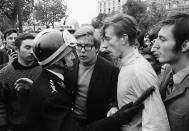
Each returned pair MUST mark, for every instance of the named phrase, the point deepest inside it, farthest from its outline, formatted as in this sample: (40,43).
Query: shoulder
(6,69)
(140,71)
(106,64)
(41,83)
(38,69)
(2,50)
(43,76)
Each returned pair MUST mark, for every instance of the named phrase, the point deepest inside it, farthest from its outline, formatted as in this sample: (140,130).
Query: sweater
(13,104)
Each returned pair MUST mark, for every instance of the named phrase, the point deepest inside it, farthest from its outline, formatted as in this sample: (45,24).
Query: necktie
(170,84)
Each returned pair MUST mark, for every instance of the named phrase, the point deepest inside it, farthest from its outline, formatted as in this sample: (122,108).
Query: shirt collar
(179,76)
(59,75)
(130,57)
(18,66)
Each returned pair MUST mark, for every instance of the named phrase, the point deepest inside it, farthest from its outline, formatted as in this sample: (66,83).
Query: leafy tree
(28,9)
(8,9)
(97,22)
(49,11)
(135,8)
(146,17)
(11,9)
(4,23)
(156,13)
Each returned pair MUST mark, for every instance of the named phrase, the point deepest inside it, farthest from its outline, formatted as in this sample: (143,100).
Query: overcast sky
(82,10)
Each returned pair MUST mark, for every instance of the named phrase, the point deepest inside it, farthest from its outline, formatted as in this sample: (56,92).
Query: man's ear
(124,38)
(185,46)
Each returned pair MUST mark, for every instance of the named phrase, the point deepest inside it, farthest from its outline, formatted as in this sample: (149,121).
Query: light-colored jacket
(136,75)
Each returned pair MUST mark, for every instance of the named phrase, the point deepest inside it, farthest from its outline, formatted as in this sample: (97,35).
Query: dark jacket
(177,105)
(52,111)
(13,103)
(4,59)
(102,92)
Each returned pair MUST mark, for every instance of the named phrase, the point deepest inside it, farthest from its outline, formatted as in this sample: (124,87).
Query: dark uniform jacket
(102,91)
(177,103)
(51,108)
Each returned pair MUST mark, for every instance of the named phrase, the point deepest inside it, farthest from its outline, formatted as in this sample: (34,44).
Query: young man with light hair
(136,74)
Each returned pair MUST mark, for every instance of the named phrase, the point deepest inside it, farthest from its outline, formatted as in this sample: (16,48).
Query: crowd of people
(114,78)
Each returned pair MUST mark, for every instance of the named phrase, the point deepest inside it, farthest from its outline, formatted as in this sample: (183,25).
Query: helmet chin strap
(66,69)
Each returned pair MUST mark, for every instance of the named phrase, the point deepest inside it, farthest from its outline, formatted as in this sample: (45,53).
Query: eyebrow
(161,36)
(27,46)
(107,37)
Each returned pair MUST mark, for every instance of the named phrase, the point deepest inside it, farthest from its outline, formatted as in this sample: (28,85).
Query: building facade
(173,6)
(109,6)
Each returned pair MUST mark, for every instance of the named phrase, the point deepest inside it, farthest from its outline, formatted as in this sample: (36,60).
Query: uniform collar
(59,75)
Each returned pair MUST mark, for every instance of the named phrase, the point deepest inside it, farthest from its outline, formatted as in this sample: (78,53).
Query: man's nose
(82,49)
(73,56)
(155,46)
(13,39)
(31,51)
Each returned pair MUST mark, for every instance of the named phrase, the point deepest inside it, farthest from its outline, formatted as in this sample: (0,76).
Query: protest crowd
(110,78)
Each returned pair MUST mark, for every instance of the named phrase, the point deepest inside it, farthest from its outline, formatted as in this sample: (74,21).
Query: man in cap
(51,99)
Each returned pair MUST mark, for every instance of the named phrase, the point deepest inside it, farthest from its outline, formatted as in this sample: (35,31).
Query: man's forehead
(167,29)
(28,42)
(12,35)
(109,30)
(86,40)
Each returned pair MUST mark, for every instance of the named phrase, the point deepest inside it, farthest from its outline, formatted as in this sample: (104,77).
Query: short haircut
(9,32)
(22,37)
(90,32)
(153,32)
(180,31)
(123,24)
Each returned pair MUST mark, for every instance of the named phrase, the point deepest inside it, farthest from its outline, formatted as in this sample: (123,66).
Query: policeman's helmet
(51,45)
(69,23)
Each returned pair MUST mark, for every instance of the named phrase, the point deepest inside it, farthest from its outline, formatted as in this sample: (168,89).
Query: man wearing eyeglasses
(93,78)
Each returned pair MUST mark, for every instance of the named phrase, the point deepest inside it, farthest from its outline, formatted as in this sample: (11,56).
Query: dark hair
(141,39)
(123,24)
(153,32)
(180,30)
(9,32)
(22,37)
(88,31)
(1,35)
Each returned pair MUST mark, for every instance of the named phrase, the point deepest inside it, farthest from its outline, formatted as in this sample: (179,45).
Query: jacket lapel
(75,74)
(164,83)
(96,74)
(180,89)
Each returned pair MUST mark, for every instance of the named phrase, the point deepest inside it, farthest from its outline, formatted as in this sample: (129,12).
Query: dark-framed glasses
(87,47)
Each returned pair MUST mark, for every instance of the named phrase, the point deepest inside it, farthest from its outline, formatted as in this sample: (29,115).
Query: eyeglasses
(87,47)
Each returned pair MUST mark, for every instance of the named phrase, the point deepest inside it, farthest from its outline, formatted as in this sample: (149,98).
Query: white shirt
(136,75)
